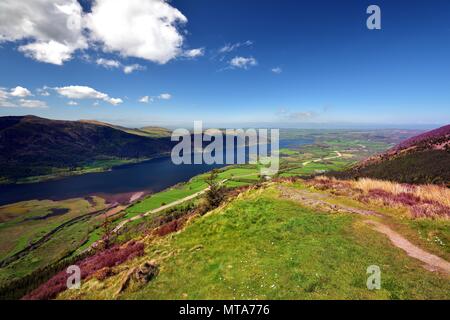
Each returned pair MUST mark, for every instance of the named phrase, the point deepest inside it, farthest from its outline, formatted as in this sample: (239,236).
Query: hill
(279,240)
(421,159)
(153,132)
(33,146)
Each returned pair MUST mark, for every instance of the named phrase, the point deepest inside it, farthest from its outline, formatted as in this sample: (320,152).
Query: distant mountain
(421,159)
(153,132)
(33,146)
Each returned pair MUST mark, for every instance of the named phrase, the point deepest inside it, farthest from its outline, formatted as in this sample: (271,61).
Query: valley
(31,255)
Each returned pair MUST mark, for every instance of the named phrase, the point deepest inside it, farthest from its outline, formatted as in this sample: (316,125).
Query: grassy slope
(195,185)
(16,233)
(262,247)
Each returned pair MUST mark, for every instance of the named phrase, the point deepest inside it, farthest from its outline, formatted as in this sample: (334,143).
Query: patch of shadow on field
(54,212)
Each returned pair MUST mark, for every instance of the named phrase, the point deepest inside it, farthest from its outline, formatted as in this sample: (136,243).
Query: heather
(421,201)
(108,258)
(428,138)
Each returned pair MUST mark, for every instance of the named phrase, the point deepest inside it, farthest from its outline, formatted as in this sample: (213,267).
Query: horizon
(268,125)
(305,72)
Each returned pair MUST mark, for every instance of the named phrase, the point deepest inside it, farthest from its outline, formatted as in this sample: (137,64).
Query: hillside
(152,132)
(32,146)
(421,159)
(280,240)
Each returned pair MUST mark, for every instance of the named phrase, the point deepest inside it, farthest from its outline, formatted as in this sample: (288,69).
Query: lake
(150,176)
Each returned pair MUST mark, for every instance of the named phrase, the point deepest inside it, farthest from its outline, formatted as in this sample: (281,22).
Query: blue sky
(283,63)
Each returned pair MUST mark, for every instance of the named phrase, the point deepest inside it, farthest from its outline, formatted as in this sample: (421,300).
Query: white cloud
(162,96)
(108,63)
(7,104)
(194,53)
(43,92)
(50,52)
(144,29)
(242,62)
(131,68)
(165,96)
(231,47)
(84,92)
(113,64)
(4,99)
(20,92)
(114,101)
(25,103)
(72,103)
(52,31)
(3,93)
(277,70)
(146,99)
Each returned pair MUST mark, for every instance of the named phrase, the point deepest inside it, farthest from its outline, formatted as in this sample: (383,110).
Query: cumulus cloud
(72,103)
(108,63)
(277,70)
(3,93)
(4,99)
(20,92)
(242,62)
(194,53)
(144,29)
(165,96)
(84,92)
(146,99)
(52,31)
(132,68)
(114,64)
(162,96)
(25,103)
(43,92)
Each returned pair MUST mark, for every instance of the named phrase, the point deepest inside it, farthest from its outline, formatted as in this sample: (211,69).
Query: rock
(146,272)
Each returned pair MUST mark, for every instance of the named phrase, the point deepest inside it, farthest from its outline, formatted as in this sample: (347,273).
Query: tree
(216,192)
(107,232)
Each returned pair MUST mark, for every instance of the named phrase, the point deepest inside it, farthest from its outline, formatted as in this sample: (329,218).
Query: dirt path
(319,201)
(338,155)
(431,262)
(162,208)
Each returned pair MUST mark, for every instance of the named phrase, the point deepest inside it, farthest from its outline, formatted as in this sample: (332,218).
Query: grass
(61,245)
(261,247)
(165,197)
(191,187)
(425,192)
(432,234)
(17,230)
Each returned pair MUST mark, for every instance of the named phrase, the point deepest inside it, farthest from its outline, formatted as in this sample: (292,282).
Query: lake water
(151,176)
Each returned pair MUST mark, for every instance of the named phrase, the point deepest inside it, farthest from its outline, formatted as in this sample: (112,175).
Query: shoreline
(68,174)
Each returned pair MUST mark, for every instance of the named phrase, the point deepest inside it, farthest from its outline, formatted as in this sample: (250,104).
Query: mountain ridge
(34,146)
(424,158)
